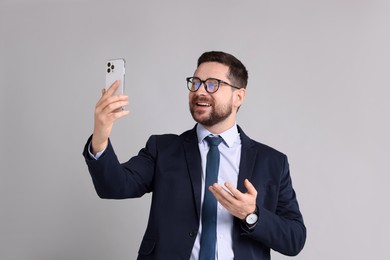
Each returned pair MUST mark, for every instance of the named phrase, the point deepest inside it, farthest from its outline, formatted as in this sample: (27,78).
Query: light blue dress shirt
(230,150)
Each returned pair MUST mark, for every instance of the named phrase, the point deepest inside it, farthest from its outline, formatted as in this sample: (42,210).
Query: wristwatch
(251,219)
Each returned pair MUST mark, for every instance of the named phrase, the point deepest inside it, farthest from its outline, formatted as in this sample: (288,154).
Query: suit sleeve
(113,180)
(280,228)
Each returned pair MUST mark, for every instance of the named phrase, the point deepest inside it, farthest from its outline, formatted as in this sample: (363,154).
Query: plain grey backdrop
(318,91)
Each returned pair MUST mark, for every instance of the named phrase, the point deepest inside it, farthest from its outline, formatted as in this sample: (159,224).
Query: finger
(114,106)
(233,191)
(229,202)
(222,195)
(218,196)
(119,114)
(108,93)
(251,189)
(107,101)
(102,98)
(114,86)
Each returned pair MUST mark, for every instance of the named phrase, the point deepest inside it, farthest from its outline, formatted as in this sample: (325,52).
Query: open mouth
(203,104)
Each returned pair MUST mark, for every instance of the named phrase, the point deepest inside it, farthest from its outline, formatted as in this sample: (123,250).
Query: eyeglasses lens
(194,84)
(212,85)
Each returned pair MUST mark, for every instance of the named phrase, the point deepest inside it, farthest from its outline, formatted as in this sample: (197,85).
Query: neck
(220,128)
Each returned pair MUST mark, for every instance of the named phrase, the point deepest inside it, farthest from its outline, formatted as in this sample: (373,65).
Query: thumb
(251,189)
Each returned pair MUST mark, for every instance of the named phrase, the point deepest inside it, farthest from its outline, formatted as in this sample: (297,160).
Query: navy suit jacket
(170,167)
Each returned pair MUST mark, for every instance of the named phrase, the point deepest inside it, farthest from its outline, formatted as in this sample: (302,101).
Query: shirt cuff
(98,154)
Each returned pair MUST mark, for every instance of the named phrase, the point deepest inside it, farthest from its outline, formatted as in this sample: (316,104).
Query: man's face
(210,109)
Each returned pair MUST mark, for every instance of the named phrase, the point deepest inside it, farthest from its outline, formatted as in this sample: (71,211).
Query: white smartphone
(115,70)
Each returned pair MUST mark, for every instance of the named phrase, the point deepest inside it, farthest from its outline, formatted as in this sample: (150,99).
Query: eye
(195,84)
(212,85)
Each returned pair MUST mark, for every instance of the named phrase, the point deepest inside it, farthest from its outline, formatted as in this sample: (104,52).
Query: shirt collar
(229,136)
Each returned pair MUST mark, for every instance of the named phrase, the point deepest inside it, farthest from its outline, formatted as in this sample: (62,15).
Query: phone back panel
(115,70)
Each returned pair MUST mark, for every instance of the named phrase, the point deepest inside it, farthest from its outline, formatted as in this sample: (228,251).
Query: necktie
(209,210)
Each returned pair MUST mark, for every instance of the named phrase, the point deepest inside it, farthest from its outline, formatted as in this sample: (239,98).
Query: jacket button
(192,233)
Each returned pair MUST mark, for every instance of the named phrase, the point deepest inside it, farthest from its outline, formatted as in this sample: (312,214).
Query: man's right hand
(105,116)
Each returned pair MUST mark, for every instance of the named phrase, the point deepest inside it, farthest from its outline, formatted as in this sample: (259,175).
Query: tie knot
(214,140)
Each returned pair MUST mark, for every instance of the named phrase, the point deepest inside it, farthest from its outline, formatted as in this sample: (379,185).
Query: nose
(202,89)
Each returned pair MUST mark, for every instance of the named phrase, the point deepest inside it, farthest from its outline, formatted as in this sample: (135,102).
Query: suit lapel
(247,161)
(194,163)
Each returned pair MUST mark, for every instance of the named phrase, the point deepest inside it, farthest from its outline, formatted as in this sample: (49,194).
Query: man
(257,208)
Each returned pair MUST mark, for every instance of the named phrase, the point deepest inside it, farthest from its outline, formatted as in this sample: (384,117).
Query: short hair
(238,74)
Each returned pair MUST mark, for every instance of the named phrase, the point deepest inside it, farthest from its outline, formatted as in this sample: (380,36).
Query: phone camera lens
(109,64)
(108,70)
(112,66)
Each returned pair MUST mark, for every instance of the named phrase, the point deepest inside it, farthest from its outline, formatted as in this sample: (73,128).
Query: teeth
(203,104)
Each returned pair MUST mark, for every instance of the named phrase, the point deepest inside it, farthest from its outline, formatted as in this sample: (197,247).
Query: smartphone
(115,70)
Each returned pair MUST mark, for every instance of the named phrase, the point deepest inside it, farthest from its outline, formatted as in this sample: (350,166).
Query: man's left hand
(237,203)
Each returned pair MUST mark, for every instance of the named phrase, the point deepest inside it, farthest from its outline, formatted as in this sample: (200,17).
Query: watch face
(251,219)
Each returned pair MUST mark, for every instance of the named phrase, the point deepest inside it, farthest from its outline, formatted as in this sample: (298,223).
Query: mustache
(201,99)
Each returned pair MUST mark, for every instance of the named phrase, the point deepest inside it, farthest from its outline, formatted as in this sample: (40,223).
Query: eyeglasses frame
(203,82)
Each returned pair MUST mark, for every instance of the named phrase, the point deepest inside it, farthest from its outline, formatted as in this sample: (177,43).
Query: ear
(238,97)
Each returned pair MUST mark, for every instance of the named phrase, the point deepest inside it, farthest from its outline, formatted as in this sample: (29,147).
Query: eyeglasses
(211,85)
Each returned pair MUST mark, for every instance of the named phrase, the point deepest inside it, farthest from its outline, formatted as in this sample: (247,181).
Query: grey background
(318,91)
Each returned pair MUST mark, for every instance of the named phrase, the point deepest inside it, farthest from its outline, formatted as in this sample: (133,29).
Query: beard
(214,115)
